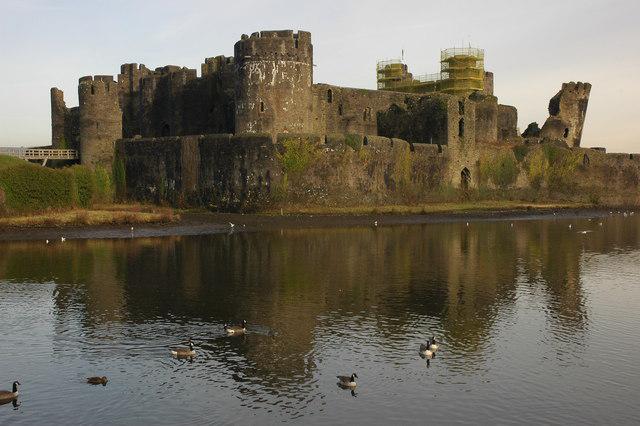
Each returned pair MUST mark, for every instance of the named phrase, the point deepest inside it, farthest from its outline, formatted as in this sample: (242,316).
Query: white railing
(40,153)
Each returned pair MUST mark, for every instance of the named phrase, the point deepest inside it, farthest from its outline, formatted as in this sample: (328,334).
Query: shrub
(30,188)
(520,152)
(502,170)
(354,141)
(119,178)
(296,156)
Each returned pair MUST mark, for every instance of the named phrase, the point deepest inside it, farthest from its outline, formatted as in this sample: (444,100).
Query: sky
(531,47)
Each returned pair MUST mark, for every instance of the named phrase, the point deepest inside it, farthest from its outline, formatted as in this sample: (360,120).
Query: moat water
(538,323)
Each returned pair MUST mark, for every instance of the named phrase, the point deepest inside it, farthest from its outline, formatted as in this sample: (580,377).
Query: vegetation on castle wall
(554,167)
(119,178)
(501,169)
(520,152)
(29,187)
(354,141)
(402,169)
(296,155)
(423,121)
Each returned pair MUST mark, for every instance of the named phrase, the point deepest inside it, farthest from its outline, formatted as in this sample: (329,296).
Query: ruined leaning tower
(100,120)
(275,74)
(567,110)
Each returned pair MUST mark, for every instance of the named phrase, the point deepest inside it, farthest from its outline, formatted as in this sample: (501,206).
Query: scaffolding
(462,70)
(461,73)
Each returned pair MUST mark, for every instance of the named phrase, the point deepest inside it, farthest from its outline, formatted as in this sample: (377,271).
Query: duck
(425,350)
(97,380)
(184,352)
(347,381)
(236,329)
(433,346)
(8,396)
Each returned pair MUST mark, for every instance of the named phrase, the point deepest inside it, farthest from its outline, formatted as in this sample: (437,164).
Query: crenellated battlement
(283,45)
(99,85)
(215,64)
(577,88)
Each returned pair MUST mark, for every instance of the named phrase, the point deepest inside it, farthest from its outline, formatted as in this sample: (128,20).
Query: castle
(223,138)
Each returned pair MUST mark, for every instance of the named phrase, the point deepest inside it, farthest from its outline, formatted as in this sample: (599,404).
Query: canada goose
(433,346)
(347,381)
(425,352)
(183,352)
(236,329)
(97,380)
(7,396)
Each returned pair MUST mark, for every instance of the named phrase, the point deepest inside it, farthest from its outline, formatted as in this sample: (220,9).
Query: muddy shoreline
(217,223)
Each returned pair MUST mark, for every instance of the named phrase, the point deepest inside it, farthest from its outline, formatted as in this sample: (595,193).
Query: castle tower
(567,110)
(58,118)
(275,74)
(100,119)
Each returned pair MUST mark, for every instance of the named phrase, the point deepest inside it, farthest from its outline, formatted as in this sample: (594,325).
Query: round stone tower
(275,74)
(100,119)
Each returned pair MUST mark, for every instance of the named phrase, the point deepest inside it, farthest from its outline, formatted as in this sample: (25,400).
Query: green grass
(429,208)
(6,161)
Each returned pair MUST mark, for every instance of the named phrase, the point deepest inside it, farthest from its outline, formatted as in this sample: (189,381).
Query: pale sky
(532,47)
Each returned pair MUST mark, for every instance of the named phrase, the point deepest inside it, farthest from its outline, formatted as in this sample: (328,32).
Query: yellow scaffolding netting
(461,73)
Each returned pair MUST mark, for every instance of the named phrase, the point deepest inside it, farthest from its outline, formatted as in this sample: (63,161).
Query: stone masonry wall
(567,110)
(100,119)
(253,172)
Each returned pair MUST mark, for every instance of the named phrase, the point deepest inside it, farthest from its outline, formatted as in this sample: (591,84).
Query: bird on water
(9,396)
(96,380)
(347,381)
(184,351)
(425,350)
(236,329)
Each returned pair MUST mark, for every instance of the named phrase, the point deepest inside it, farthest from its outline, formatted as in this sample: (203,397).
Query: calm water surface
(538,322)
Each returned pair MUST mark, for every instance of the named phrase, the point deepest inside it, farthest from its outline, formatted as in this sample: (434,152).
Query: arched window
(461,127)
(566,133)
(166,130)
(465,178)
(585,160)
(261,106)
(460,107)
(330,96)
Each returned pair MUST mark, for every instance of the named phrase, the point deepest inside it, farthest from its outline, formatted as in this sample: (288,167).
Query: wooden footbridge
(41,154)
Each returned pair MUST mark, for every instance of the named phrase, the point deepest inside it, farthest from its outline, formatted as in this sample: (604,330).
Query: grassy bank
(116,214)
(432,208)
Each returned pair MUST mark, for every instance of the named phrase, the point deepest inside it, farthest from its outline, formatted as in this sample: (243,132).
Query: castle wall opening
(465,178)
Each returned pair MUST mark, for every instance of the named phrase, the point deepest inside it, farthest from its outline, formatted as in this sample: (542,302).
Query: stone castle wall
(259,172)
